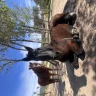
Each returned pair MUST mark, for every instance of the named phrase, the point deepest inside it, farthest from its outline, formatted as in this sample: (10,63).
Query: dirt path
(81,82)
(58,6)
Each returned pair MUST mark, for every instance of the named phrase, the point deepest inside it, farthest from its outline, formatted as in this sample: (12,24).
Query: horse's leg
(53,81)
(53,62)
(55,74)
(75,63)
(57,18)
(53,69)
(56,80)
(78,50)
(71,57)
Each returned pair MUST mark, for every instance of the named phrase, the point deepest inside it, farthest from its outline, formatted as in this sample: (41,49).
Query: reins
(68,38)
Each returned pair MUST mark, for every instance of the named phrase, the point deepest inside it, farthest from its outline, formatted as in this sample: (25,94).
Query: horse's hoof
(81,56)
(76,66)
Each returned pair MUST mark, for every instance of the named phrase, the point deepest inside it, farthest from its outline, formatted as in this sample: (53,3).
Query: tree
(10,29)
(31,14)
(38,17)
(14,26)
(42,3)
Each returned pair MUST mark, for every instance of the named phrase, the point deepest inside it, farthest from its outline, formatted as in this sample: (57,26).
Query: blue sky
(19,81)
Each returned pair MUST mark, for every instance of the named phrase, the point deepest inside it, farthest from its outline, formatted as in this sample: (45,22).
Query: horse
(62,46)
(43,74)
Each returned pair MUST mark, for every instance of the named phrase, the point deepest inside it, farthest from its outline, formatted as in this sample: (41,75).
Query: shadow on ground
(61,88)
(75,81)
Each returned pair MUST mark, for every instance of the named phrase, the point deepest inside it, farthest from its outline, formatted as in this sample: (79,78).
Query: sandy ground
(81,82)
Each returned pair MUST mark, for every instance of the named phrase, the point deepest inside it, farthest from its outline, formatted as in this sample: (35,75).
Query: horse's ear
(30,63)
(25,59)
(28,48)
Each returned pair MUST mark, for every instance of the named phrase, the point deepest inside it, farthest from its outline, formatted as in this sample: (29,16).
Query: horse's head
(42,54)
(70,18)
(30,55)
(33,65)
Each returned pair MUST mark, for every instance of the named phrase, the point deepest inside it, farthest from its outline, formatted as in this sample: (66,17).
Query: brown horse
(43,74)
(63,40)
(62,46)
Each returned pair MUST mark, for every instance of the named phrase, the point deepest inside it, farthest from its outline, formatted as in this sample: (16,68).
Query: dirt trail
(58,6)
(81,82)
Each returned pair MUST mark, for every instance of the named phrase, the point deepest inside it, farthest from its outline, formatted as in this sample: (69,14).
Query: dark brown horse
(62,46)
(43,74)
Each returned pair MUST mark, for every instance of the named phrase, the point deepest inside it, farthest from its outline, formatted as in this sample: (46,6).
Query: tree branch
(36,28)
(23,40)
(12,47)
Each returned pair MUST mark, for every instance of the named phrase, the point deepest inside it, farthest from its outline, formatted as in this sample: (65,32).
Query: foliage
(22,14)
(36,15)
(42,3)
(44,11)
(14,26)
(26,15)
(11,30)
(9,27)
